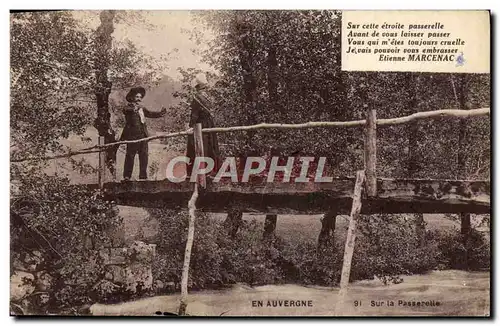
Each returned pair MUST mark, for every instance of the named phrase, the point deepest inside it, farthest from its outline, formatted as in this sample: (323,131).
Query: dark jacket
(200,106)
(134,128)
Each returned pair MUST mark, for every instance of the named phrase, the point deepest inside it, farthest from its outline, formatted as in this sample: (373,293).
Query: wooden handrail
(315,124)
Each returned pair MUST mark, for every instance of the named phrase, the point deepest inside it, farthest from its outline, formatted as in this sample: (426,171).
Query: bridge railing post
(199,152)
(371,152)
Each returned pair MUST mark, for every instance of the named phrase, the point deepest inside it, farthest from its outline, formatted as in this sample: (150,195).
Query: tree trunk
(103,44)
(272,88)
(272,79)
(413,166)
(246,53)
(327,234)
(465,218)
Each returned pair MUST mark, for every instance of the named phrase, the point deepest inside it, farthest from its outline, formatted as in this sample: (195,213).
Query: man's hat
(134,91)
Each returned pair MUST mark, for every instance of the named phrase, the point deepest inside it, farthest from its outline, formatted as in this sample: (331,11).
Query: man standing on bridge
(135,128)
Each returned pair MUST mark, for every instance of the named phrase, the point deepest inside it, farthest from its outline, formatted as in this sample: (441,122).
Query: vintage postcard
(221,163)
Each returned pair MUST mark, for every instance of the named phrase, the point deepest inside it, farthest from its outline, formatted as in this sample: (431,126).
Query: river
(445,293)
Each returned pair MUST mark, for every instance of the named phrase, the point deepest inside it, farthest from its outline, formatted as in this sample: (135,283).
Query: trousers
(133,149)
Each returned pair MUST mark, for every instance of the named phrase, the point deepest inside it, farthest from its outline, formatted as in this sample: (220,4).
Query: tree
(103,48)
(268,73)
(56,83)
(51,69)
(59,74)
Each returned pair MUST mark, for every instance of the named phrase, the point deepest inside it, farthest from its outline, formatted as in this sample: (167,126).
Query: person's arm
(195,113)
(154,114)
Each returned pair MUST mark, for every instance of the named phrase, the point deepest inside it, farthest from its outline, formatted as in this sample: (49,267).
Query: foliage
(51,65)
(269,54)
(67,224)
(216,259)
(387,247)
(453,253)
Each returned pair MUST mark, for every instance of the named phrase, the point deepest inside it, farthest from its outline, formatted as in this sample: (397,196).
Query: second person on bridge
(201,108)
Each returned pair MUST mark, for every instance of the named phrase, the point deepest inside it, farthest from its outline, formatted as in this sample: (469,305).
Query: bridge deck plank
(393,196)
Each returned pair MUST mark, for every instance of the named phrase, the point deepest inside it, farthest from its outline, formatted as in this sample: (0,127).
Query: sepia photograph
(250,163)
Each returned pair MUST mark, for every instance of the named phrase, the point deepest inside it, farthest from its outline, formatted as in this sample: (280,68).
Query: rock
(105,288)
(15,187)
(18,309)
(88,243)
(139,277)
(162,287)
(117,274)
(108,276)
(104,255)
(149,229)
(44,281)
(21,285)
(159,285)
(142,252)
(117,256)
(84,310)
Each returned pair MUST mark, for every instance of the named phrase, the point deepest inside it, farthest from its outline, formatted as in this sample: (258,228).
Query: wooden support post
(200,181)
(326,238)
(233,221)
(270,225)
(101,173)
(351,237)
(371,152)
